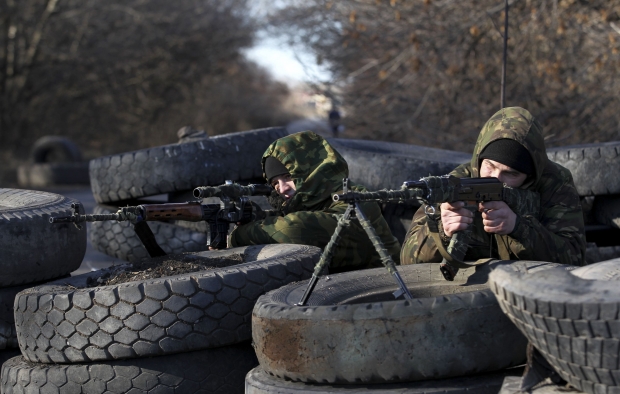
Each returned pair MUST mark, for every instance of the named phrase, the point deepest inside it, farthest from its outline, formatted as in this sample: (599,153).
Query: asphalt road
(93,260)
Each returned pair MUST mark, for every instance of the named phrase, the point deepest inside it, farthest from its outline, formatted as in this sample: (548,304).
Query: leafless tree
(428,71)
(117,75)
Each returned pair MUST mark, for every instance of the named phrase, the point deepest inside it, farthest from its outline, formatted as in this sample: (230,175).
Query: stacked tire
(594,168)
(32,251)
(169,173)
(353,334)
(571,317)
(184,333)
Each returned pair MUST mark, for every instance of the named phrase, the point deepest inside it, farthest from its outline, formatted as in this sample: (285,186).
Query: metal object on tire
(259,382)
(218,371)
(31,250)
(594,166)
(66,322)
(571,317)
(181,167)
(352,331)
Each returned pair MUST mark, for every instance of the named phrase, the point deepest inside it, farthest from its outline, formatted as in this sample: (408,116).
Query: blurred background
(115,76)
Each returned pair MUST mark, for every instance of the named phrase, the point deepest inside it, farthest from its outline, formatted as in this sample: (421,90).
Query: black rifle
(235,207)
(431,191)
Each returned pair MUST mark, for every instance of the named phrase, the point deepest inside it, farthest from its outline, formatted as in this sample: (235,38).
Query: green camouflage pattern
(551,229)
(311,216)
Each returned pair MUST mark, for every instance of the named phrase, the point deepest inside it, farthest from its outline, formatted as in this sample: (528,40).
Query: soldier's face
(507,175)
(284,185)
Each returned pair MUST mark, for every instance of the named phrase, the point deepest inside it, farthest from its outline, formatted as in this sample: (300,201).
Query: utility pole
(503,94)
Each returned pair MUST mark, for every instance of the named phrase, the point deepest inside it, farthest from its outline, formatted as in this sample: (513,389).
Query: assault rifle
(431,191)
(235,207)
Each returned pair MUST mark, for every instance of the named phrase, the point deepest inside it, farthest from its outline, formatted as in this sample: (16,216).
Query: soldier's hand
(454,217)
(497,217)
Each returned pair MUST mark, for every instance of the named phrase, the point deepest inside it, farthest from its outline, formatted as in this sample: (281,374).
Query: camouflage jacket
(311,215)
(556,234)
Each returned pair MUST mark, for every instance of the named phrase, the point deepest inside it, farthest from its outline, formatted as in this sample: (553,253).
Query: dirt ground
(163,266)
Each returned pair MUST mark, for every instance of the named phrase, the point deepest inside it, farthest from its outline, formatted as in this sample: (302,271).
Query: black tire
(449,329)
(594,166)
(597,254)
(386,165)
(119,239)
(572,320)
(67,323)
(606,210)
(220,370)
(51,174)
(512,385)
(8,335)
(259,382)
(52,148)
(32,249)
(181,167)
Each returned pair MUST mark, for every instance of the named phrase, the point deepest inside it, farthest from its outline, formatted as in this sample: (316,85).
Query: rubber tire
(512,385)
(32,249)
(594,166)
(220,370)
(597,254)
(8,335)
(181,167)
(50,174)
(63,322)
(119,239)
(259,382)
(606,210)
(572,321)
(59,146)
(353,331)
(386,165)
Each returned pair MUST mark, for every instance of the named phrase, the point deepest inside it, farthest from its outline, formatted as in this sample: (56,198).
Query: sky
(284,63)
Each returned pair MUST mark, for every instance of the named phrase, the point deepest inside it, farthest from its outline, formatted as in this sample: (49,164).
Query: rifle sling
(147,237)
(433,226)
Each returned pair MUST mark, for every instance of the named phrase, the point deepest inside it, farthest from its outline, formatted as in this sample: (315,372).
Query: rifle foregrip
(189,211)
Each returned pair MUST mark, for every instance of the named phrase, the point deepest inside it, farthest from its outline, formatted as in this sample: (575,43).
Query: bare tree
(428,71)
(123,74)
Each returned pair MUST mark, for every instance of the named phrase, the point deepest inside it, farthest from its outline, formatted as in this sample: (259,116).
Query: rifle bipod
(355,212)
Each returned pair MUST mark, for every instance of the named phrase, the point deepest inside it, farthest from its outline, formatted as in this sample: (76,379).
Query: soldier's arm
(418,246)
(557,235)
(304,227)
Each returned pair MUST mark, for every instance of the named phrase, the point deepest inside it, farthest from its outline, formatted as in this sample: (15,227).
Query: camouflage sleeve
(304,227)
(557,235)
(419,246)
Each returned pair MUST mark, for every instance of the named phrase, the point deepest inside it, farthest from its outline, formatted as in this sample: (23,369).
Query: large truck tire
(68,322)
(181,167)
(217,371)
(353,331)
(31,248)
(594,166)
(571,317)
(259,382)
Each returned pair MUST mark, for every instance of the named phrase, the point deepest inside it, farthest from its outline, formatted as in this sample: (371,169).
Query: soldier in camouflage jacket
(555,234)
(309,216)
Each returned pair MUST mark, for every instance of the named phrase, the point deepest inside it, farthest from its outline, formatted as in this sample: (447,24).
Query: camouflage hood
(517,124)
(315,166)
